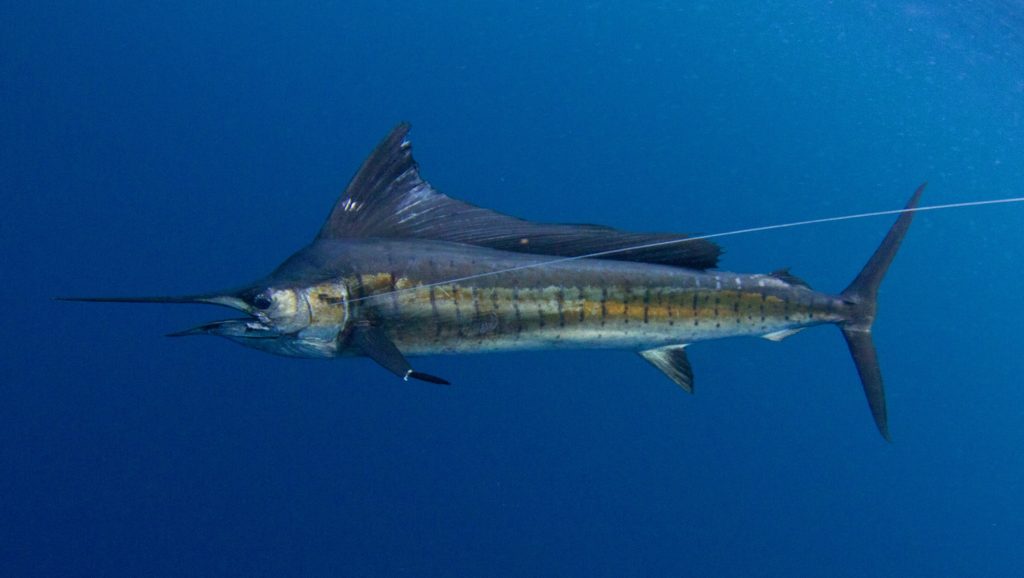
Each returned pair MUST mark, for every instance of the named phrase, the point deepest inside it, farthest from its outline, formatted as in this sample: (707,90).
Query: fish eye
(262,301)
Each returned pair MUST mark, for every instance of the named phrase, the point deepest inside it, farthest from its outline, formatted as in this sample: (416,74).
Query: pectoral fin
(374,343)
(672,361)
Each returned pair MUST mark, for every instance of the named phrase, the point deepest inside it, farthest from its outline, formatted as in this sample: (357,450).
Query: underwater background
(165,148)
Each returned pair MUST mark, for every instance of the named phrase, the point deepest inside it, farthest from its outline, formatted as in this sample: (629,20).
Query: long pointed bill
(160,299)
(211,299)
(248,328)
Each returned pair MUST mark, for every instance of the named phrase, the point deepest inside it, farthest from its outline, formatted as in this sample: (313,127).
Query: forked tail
(862,294)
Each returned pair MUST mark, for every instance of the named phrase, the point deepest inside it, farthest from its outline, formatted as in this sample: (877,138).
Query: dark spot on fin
(374,343)
(387,198)
(672,361)
(785,275)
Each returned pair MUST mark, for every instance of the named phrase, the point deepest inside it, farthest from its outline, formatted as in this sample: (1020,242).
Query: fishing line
(733,233)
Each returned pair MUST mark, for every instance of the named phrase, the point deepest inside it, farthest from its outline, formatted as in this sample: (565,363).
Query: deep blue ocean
(166,148)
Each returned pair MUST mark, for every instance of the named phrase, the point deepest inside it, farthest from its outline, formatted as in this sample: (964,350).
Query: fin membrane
(672,361)
(373,343)
(387,198)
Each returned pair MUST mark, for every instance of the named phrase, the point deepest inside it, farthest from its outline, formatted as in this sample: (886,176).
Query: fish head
(285,319)
(298,321)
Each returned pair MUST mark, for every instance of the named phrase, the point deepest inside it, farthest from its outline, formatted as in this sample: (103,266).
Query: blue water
(170,149)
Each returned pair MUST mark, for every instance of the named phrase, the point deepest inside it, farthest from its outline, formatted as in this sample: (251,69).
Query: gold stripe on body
(464,317)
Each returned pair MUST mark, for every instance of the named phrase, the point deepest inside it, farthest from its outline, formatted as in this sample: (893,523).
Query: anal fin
(374,343)
(782,334)
(672,361)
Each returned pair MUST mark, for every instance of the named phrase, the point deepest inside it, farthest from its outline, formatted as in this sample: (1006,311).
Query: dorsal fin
(387,198)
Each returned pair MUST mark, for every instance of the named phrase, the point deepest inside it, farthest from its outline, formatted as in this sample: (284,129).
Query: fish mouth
(244,328)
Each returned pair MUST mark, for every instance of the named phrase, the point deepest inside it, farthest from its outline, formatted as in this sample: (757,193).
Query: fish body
(400,270)
(406,289)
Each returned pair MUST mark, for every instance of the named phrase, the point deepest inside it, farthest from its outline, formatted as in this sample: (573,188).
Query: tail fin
(863,295)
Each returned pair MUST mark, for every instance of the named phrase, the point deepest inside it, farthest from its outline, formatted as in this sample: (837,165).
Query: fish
(401,270)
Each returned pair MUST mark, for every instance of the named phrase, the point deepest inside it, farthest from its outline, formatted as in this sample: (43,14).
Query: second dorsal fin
(387,198)
(784,275)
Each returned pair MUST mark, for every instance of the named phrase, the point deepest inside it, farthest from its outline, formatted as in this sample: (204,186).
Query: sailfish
(400,270)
